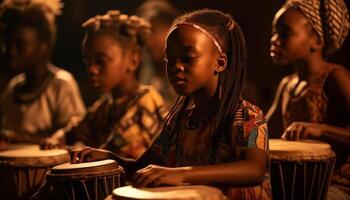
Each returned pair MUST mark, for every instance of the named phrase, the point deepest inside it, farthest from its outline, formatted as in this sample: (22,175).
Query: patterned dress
(124,126)
(193,146)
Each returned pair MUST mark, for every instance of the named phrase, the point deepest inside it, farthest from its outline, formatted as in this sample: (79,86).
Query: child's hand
(153,176)
(302,130)
(88,154)
(49,143)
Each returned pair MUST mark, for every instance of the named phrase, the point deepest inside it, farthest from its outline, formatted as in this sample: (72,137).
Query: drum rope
(35,175)
(105,183)
(293,183)
(72,188)
(85,188)
(282,181)
(313,180)
(95,182)
(305,170)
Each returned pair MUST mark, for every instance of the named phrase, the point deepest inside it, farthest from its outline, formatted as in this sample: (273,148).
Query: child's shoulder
(249,113)
(288,82)
(61,76)
(338,73)
(15,81)
(149,96)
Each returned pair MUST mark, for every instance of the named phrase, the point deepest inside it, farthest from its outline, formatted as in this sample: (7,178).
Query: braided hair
(229,35)
(129,31)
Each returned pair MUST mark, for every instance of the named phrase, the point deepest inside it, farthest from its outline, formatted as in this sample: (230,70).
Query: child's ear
(44,48)
(316,43)
(134,60)
(221,63)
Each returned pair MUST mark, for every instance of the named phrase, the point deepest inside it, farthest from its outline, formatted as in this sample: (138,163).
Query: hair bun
(132,26)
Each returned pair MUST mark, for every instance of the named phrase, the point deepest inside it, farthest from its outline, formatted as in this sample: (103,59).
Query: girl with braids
(42,98)
(128,115)
(211,135)
(315,100)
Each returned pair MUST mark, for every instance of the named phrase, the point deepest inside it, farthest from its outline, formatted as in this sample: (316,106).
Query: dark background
(254,17)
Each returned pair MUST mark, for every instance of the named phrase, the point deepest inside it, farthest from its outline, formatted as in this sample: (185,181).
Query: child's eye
(100,61)
(188,59)
(85,61)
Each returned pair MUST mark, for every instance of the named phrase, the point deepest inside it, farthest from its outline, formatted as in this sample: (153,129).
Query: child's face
(24,49)
(191,58)
(105,61)
(292,37)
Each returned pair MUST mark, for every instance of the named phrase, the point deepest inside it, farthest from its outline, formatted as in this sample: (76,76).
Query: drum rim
(11,154)
(52,177)
(219,192)
(294,154)
(91,168)
(34,162)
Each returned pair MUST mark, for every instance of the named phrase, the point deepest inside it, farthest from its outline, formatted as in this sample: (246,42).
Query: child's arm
(277,99)
(249,171)
(302,130)
(249,137)
(88,154)
(337,88)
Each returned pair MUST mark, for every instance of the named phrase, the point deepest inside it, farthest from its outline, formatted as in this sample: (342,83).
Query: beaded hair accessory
(129,25)
(115,17)
(196,26)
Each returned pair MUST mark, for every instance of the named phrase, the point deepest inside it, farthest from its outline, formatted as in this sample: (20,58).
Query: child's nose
(179,66)
(275,39)
(93,69)
(12,50)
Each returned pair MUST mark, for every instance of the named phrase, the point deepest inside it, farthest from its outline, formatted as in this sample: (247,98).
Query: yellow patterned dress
(124,126)
(188,146)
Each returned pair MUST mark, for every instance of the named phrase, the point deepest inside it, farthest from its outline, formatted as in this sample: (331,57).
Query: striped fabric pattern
(329,18)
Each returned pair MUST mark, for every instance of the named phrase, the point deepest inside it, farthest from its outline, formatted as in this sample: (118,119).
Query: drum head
(299,150)
(174,192)
(32,157)
(87,167)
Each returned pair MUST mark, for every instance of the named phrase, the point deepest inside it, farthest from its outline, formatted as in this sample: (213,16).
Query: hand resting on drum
(54,141)
(88,154)
(302,130)
(305,130)
(154,176)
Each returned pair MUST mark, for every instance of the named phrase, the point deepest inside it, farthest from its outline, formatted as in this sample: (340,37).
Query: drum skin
(192,192)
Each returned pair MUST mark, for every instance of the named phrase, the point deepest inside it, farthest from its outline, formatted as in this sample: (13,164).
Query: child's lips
(178,79)
(275,52)
(94,81)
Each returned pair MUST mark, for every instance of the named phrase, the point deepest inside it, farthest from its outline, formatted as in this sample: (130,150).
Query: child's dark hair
(39,15)
(158,10)
(229,35)
(128,31)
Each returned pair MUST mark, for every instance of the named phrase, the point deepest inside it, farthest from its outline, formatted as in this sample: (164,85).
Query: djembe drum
(192,192)
(23,170)
(90,180)
(300,169)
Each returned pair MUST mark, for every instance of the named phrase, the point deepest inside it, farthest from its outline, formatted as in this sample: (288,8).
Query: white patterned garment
(44,111)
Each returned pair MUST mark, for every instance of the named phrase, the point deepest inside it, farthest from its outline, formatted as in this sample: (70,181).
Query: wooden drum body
(90,180)
(300,169)
(23,170)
